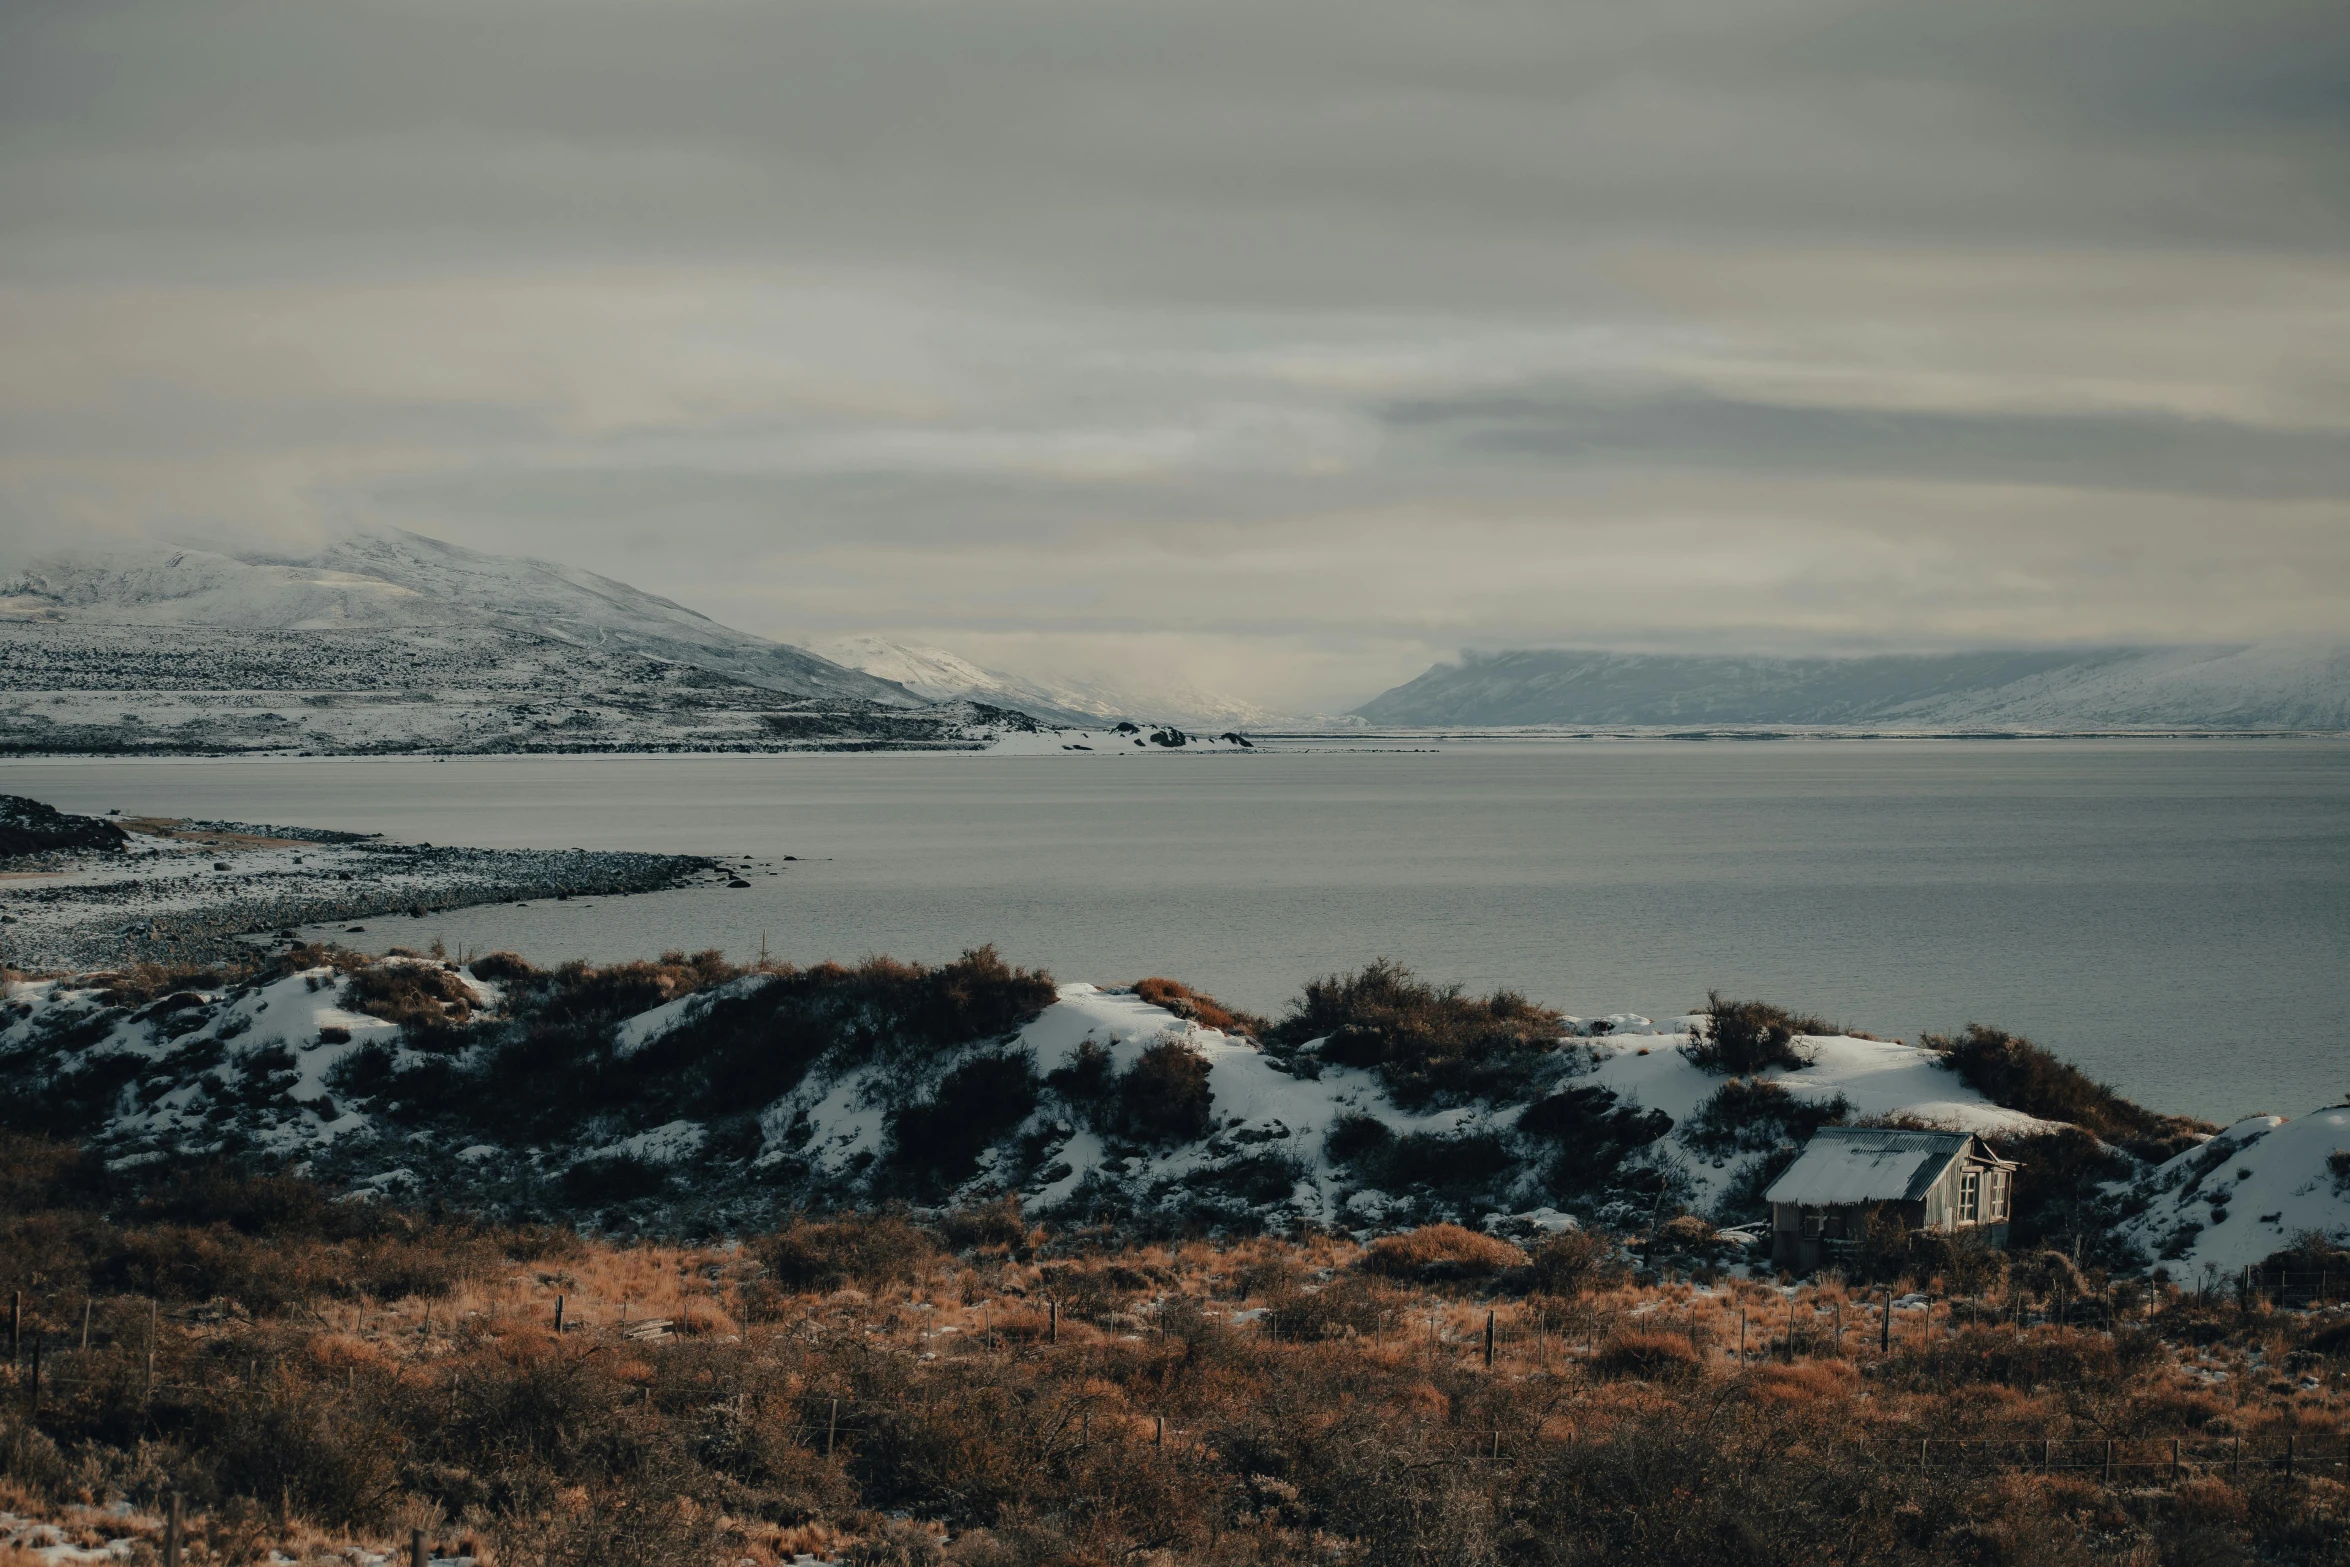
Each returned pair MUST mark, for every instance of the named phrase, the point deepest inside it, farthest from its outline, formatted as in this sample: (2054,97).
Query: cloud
(1289,341)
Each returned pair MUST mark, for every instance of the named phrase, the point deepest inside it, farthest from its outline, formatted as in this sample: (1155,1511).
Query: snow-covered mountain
(2267,686)
(392,642)
(937,675)
(941,676)
(397,581)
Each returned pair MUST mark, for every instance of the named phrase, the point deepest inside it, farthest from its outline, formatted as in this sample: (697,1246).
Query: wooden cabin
(1941,1181)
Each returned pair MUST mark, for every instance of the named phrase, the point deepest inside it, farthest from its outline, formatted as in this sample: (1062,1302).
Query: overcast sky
(1282,345)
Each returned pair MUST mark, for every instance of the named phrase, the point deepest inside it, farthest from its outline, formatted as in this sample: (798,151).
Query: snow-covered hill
(393,642)
(941,676)
(936,675)
(396,581)
(727,1099)
(2246,1194)
(2281,686)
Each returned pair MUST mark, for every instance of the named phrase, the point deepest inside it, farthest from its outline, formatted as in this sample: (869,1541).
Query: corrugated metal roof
(1856,1164)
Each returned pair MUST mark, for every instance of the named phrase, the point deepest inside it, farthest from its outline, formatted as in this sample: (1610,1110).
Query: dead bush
(1439,1252)
(1646,1357)
(1198,1007)
(1571,1264)
(1164,1097)
(1741,1038)
(1428,1044)
(869,1250)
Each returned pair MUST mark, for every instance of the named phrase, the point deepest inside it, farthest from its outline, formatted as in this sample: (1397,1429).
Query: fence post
(558,1315)
(2174,1460)
(85,1324)
(416,1557)
(172,1527)
(1052,1320)
(1158,1431)
(153,1312)
(1489,1338)
(1885,1327)
(2112,1475)
(831,1428)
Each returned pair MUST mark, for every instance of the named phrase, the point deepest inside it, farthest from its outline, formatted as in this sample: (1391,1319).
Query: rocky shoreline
(191,892)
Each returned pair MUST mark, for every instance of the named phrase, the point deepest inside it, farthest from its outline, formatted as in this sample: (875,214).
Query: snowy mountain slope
(394,643)
(396,581)
(936,675)
(2265,686)
(2246,1194)
(1098,1103)
(941,676)
(197,690)
(2268,686)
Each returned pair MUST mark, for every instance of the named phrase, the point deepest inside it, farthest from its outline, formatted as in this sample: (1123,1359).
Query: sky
(1279,346)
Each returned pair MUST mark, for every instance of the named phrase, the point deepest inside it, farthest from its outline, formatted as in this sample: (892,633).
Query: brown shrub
(995,1226)
(2010,1070)
(1439,1251)
(1198,1007)
(1646,1356)
(420,996)
(1570,1264)
(1428,1044)
(141,983)
(502,968)
(1349,1305)
(1745,1037)
(1805,1382)
(869,1250)
(1164,1097)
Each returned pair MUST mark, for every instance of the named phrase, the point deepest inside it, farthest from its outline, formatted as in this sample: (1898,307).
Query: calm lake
(2173,915)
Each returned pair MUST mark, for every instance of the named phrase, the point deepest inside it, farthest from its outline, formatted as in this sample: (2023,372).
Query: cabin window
(1998,1213)
(1970,1197)
(1823,1224)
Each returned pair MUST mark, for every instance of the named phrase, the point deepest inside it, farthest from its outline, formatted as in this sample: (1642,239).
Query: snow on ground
(2247,1193)
(1260,1109)
(1877,1077)
(259,1065)
(641,1030)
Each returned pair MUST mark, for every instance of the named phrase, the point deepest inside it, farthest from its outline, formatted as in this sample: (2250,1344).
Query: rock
(29,827)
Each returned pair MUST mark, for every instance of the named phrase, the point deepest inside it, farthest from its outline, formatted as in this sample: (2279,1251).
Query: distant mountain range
(2266,686)
(937,675)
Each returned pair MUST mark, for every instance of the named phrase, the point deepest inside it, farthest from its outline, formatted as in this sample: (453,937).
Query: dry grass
(1436,1251)
(1258,1402)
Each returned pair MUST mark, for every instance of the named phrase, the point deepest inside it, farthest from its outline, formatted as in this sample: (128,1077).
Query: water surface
(2174,915)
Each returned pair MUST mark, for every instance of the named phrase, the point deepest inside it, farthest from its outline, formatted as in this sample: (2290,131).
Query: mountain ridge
(392,643)
(2257,686)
